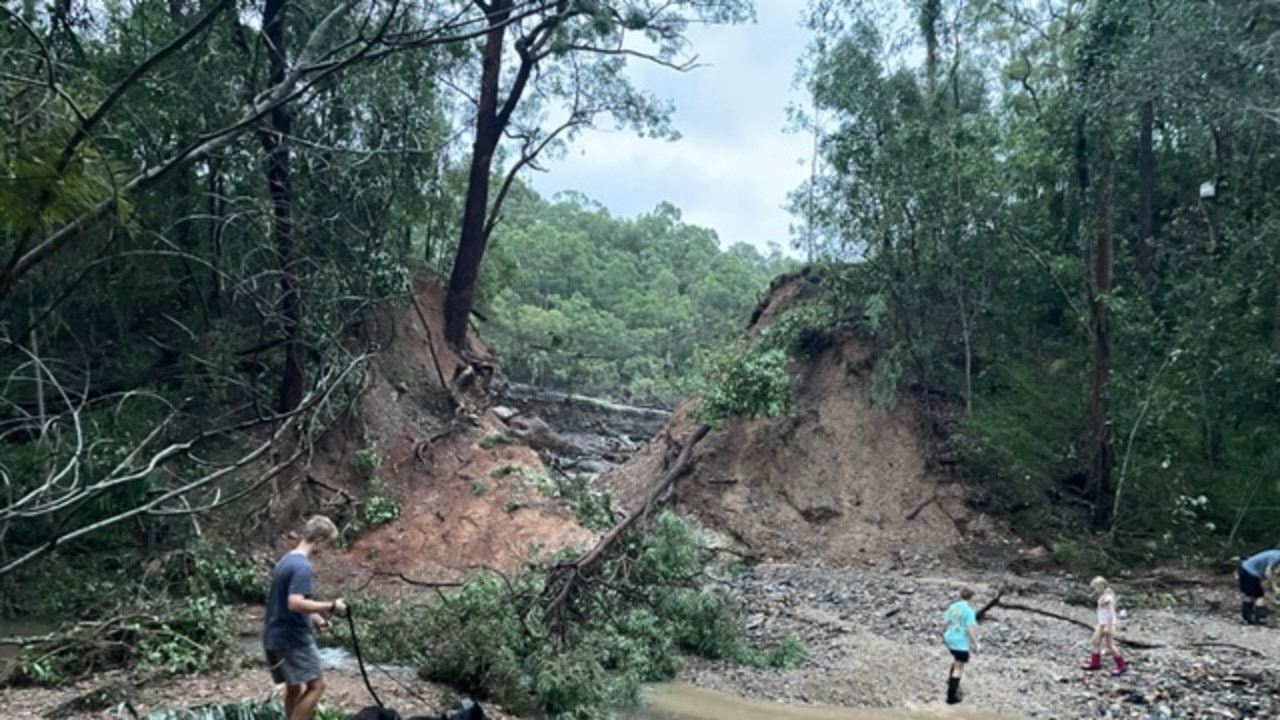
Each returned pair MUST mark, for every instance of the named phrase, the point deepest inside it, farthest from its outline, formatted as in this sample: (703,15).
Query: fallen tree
(563,579)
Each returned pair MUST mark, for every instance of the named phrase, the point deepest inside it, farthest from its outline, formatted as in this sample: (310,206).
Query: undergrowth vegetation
(752,380)
(497,636)
(176,617)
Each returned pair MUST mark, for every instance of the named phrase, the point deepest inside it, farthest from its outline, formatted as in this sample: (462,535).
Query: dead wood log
(1127,642)
(982,612)
(919,508)
(1233,646)
(562,579)
(25,640)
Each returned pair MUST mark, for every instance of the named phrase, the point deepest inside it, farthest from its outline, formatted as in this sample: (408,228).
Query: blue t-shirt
(282,628)
(1257,565)
(959,617)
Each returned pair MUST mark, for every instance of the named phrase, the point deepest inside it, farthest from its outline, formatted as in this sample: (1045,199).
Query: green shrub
(227,574)
(746,384)
(192,634)
(378,508)
(495,636)
(497,439)
(366,462)
(592,507)
(802,331)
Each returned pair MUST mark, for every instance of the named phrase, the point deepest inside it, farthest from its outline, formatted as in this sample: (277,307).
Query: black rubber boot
(1260,615)
(1246,612)
(953,690)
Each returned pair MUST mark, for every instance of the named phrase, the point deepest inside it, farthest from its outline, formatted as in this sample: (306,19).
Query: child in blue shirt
(961,638)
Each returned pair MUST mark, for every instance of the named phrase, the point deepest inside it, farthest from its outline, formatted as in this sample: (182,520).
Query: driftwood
(1127,642)
(982,612)
(919,508)
(25,640)
(1233,646)
(563,578)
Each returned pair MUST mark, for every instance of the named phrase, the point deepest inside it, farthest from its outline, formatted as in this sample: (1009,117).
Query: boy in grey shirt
(291,615)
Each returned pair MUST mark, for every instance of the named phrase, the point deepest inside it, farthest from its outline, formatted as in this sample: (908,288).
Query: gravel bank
(874,641)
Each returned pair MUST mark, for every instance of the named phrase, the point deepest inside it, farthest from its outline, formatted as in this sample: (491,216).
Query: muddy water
(686,702)
(12,631)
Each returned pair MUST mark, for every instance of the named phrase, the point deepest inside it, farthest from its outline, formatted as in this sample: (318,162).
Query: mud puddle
(687,702)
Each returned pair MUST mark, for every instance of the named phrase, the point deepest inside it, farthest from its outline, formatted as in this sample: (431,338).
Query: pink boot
(1121,667)
(1095,662)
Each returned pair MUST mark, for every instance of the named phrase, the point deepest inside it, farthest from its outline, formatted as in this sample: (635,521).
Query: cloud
(734,165)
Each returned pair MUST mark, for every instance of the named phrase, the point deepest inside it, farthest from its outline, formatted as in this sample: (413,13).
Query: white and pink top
(1107,608)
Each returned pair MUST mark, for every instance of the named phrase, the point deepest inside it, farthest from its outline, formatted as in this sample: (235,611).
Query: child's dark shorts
(294,666)
(960,655)
(1250,584)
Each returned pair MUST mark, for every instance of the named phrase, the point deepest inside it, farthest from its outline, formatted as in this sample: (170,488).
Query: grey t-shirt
(282,628)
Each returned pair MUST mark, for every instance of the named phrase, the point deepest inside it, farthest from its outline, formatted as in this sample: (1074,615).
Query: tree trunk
(930,12)
(473,238)
(1078,195)
(1100,459)
(216,230)
(1146,193)
(275,143)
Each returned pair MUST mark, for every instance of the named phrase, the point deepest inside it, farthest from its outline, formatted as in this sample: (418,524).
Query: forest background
(1057,220)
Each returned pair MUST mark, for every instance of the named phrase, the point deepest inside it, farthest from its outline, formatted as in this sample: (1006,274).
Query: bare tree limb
(562,579)
(157,504)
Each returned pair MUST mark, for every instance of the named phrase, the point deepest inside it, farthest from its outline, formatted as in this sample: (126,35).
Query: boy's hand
(320,623)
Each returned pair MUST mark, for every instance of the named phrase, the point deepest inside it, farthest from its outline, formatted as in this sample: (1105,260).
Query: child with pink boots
(1105,631)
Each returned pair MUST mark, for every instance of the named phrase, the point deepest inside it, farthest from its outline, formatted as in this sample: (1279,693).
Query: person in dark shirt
(291,614)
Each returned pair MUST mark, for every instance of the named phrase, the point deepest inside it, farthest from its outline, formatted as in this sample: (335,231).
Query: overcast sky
(733,167)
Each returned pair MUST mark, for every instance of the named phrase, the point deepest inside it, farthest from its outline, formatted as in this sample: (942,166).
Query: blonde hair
(319,529)
(1099,583)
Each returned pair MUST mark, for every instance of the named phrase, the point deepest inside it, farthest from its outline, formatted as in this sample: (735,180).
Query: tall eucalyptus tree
(566,57)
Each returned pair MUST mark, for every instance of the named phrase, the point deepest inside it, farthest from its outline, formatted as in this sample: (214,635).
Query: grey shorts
(294,666)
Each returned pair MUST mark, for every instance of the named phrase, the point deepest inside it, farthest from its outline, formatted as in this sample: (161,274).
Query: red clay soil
(838,481)
(454,495)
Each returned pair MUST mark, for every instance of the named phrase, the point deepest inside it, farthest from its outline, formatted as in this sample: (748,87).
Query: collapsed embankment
(838,481)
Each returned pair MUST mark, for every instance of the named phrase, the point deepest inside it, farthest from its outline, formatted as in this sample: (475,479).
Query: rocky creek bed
(874,638)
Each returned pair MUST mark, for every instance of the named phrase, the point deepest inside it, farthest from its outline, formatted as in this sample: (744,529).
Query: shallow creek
(12,632)
(679,701)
